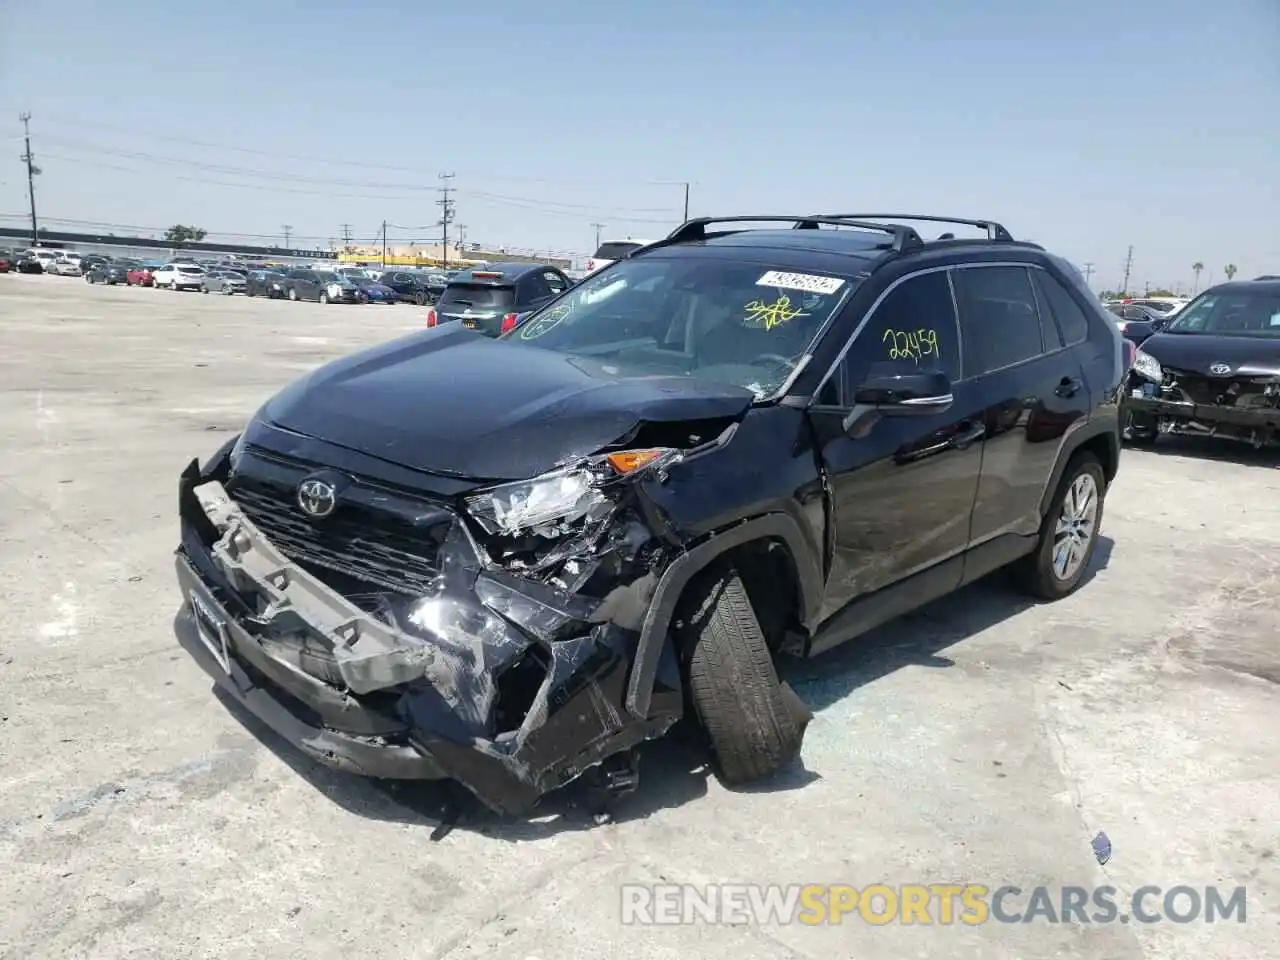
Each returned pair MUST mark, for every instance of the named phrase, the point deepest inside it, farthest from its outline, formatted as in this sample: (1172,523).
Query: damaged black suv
(509,562)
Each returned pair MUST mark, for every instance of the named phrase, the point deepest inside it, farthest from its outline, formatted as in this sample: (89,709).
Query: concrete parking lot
(983,740)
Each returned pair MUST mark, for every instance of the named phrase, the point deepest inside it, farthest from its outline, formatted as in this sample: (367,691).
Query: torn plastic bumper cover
(508,686)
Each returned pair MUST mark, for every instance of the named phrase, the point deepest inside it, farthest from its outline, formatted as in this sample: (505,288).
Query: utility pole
(384,245)
(288,229)
(599,227)
(446,215)
(346,233)
(1088,274)
(686,203)
(29,159)
(462,236)
(1128,269)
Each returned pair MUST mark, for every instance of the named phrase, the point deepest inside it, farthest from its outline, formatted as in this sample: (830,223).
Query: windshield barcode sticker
(800,281)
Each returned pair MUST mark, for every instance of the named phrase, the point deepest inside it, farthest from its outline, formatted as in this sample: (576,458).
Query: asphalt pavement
(983,740)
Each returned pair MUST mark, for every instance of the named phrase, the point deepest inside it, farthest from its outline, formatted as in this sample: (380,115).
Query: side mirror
(901,394)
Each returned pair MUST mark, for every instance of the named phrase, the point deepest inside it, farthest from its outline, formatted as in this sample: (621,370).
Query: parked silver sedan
(223,281)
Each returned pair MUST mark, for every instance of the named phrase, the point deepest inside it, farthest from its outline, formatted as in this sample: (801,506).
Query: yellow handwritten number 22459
(912,345)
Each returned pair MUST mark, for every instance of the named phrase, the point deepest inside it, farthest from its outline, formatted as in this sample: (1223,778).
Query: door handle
(1068,387)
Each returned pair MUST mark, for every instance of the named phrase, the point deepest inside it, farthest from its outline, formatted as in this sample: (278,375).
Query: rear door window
(999,322)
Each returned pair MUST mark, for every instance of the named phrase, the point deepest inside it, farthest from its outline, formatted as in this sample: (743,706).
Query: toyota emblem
(317,498)
(1219,369)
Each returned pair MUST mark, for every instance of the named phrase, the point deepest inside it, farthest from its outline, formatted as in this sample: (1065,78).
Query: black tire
(324,297)
(1140,430)
(293,294)
(755,724)
(1035,571)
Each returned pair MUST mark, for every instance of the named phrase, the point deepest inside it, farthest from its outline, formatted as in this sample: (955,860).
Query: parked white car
(180,276)
(67,265)
(612,250)
(46,257)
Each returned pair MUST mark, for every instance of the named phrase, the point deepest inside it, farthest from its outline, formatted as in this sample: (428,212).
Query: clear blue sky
(1086,126)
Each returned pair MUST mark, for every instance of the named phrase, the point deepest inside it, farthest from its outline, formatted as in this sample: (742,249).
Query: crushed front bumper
(432,696)
(1169,415)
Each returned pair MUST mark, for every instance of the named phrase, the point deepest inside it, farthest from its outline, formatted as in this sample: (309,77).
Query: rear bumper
(421,700)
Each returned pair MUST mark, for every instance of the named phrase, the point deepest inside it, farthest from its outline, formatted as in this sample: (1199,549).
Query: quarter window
(998,317)
(1071,318)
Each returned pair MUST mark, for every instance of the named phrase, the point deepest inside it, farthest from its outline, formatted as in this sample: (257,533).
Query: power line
(286,229)
(83,124)
(548,208)
(346,233)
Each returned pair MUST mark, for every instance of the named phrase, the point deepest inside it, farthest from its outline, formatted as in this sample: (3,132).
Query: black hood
(1197,352)
(448,401)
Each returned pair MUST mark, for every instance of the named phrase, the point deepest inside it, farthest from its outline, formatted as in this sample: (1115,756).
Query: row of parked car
(491,298)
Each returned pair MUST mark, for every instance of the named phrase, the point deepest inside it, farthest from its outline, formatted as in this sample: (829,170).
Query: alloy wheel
(1076,527)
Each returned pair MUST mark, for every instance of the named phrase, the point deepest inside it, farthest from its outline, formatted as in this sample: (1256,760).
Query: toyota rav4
(505,562)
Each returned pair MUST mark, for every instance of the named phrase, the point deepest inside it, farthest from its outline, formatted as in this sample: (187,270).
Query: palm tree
(1196,268)
(1229,270)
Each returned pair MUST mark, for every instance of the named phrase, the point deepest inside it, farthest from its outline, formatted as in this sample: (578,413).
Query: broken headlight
(551,504)
(1144,364)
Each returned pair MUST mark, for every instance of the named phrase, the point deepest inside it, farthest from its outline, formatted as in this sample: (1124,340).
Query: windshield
(739,323)
(1235,313)
(325,276)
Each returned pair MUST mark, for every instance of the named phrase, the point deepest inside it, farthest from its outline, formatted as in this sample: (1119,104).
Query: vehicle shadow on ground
(917,638)
(673,770)
(1215,449)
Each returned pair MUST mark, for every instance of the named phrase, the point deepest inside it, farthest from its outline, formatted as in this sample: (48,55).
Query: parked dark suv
(1213,370)
(507,562)
(493,300)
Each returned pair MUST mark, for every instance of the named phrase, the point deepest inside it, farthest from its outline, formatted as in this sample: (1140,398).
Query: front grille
(360,544)
(1218,391)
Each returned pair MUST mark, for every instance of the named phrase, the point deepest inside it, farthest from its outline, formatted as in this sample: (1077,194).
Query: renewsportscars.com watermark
(941,904)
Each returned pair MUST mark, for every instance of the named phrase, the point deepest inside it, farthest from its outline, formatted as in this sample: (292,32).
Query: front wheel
(1069,532)
(204,289)
(293,294)
(755,724)
(324,297)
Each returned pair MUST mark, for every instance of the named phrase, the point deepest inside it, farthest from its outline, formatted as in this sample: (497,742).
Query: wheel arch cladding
(1101,441)
(655,630)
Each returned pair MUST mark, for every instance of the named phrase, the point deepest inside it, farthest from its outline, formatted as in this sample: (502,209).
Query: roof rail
(902,236)
(995,231)
(1267,276)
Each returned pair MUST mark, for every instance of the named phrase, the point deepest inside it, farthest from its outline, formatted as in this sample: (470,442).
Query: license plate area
(470,324)
(212,630)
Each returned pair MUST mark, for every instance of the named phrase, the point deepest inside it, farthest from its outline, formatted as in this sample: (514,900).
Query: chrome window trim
(955,306)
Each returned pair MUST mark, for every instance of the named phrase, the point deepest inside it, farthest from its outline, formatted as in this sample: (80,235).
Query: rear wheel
(324,296)
(1069,532)
(755,723)
(293,294)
